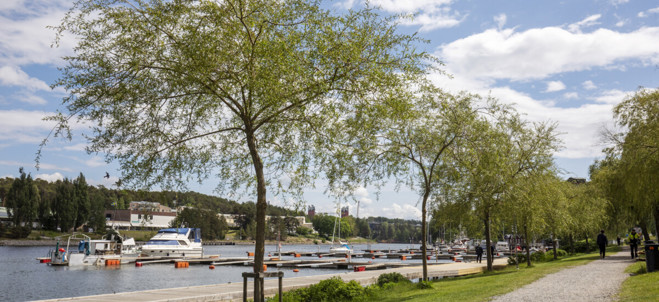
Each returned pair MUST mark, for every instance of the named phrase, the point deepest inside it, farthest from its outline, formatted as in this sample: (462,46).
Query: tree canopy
(243,90)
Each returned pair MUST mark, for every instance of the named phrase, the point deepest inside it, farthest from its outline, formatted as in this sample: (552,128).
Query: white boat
(175,242)
(343,247)
(92,251)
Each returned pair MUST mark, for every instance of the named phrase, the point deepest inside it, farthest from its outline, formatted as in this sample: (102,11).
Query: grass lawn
(482,286)
(641,286)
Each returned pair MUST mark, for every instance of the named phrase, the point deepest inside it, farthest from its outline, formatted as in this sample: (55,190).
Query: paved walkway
(234,291)
(599,280)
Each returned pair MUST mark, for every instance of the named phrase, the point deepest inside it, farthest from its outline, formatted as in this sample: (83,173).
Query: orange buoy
(295,270)
(265,267)
(250,254)
(373,257)
(298,255)
(138,264)
(211,267)
(320,256)
(346,255)
(428,257)
(411,252)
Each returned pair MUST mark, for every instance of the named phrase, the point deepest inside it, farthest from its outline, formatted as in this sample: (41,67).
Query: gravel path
(599,280)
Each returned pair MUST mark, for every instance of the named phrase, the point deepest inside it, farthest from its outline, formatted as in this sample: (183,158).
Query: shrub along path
(599,280)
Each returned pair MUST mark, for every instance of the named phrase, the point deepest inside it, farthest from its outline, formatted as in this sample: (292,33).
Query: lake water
(23,278)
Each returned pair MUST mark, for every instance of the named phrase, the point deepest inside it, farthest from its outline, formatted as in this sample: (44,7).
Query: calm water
(24,278)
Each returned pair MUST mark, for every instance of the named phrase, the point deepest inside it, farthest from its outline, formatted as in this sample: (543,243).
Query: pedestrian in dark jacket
(602,242)
(479,254)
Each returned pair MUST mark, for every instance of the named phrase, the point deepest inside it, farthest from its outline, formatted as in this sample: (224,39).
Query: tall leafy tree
(414,140)
(638,148)
(502,149)
(65,208)
(23,200)
(241,90)
(81,199)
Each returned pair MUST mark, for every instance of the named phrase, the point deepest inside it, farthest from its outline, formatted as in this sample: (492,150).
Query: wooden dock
(234,291)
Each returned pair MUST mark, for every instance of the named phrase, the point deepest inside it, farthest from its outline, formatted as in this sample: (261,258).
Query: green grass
(481,287)
(641,286)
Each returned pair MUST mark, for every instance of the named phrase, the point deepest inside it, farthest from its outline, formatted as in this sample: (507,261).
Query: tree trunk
(528,246)
(656,220)
(644,229)
(424,239)
(553,242)
(261,206)
(587,245)
(571,244)
(488,240)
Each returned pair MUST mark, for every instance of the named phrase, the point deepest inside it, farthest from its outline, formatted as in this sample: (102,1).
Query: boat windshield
(162,242)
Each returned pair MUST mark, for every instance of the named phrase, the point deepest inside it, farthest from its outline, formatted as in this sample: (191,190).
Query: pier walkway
(234,291)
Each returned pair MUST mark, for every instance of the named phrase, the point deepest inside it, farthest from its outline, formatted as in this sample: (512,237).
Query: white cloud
(612,97)
(24,38)
(621,23)
(553,86)
(571,95)
(361,194)
(500,19)
(405,211)
(23,126)
(429,14)
(589,21)
(541,52)
(617,2)
(50,177)
(588,85)
(14,76)
(95,161)
(648,12)
(30,99)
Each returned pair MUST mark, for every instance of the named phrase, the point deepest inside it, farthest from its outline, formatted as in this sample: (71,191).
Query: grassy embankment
(482,286)
(641,286)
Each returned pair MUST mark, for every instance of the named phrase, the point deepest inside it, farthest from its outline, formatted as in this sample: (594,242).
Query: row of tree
(273,95)
(70,204)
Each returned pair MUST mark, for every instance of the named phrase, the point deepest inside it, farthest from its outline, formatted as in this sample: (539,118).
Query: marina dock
(234,291)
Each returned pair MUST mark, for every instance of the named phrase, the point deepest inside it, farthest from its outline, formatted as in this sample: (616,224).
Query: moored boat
(175,242)
(91,251)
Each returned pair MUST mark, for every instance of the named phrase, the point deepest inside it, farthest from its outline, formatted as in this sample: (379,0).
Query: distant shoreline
(52,242)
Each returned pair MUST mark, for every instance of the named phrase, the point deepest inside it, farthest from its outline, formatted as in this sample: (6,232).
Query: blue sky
(564,61)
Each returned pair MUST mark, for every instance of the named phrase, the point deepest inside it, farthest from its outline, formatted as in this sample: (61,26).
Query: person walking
(479,253)
(618,240)
(601,243)
(634,240)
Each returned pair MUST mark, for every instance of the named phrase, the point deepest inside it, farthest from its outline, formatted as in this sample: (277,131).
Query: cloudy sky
(565,61)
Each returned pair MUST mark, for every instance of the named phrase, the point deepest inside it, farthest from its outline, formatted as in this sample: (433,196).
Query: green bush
(424,285)
(303,231)
(538,256)
(18,232)
(333,289)
(391,278)
(581,247)
(559,253)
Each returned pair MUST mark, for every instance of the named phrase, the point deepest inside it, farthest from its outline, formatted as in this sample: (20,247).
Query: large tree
(239,90)
(413,143)
(638,150)
(501,150)
(23,200)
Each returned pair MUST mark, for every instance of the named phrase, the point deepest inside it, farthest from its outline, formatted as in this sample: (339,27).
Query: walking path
(599,280)
(234,291)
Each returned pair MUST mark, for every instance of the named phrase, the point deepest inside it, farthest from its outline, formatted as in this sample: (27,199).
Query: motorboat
(341,248)
(175,242)
(82,250)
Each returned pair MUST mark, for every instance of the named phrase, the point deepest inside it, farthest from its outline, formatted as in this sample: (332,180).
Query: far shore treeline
(65,205)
